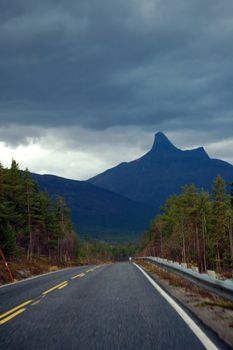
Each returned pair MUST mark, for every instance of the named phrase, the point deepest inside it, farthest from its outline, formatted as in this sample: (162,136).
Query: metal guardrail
(222,288)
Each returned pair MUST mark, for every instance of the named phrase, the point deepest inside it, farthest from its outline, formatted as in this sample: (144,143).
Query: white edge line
(208,344)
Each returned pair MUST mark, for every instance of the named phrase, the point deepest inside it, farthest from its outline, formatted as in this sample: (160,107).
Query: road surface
(108,307)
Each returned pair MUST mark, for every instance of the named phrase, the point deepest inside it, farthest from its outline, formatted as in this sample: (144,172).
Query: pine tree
(203,217)
(2,202)
(14,196)
(42,225)
(195,227)
(8,241)
(219,219)
(29,202)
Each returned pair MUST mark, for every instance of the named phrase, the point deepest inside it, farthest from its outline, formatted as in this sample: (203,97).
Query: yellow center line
(78,276)
(63,286)
(12,316)
(53,288)
(90,270)
(14,309)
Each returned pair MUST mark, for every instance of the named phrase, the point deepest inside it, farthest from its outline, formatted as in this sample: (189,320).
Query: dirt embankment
(215,312)
(22,268)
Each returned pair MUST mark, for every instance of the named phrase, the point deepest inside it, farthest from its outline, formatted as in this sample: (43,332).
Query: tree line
(31,221)
(106,251)
(195,227)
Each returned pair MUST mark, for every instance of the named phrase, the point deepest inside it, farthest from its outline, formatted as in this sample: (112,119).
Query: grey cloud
(15,135)
(102,64)
(78,153)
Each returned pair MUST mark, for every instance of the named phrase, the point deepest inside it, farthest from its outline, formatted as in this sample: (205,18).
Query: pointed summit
(162,143)
(162,171)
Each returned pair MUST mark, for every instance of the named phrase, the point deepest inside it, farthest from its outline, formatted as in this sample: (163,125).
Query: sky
(85,85)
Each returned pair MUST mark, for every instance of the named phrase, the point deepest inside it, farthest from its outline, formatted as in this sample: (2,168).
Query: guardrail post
(207,280)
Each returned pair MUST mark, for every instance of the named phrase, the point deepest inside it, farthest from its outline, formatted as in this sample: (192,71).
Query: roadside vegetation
(36,233)
(215,312)
(195,227)
(31,221)
(95,250)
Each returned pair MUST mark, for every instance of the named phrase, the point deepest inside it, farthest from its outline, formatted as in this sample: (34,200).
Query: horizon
(123,160)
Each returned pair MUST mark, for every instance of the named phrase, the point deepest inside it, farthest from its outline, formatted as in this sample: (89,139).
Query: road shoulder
(213,312)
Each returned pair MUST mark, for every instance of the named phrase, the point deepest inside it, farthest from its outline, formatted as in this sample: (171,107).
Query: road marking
(90,270)
(208,344)
(63,286)
(37,276)
(53,288)
(36,302)
(97,267)
(15,308)
(78,276)
(12,316)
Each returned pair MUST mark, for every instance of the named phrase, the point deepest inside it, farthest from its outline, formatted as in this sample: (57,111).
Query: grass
(224,304)
(22,268)
(199,295)
(176,281)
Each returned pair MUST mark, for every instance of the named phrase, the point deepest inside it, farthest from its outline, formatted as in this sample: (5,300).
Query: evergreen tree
(8,241)
(196,228)
(31,220)
(14,196)
(219,219)
(2,199)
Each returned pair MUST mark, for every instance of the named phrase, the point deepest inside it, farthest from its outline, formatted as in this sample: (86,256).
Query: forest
(34,226)
(32,222)
(195,227)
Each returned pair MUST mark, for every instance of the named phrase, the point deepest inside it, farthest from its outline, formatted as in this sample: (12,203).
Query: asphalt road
(108,307)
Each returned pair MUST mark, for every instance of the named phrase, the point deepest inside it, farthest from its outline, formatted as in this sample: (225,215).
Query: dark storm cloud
(96,64)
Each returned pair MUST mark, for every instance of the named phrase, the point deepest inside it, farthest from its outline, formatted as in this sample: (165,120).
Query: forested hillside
(96,212)
(195,227)
(30,221)
(36,232)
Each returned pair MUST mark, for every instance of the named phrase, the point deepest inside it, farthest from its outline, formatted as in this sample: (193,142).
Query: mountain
(162,172)
(119,203)
(97,212)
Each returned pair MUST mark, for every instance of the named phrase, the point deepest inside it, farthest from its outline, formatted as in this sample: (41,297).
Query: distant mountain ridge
(119,203)
(162,172)
(96,212)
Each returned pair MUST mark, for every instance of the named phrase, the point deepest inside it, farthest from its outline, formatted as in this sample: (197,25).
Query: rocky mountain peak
(162,143)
